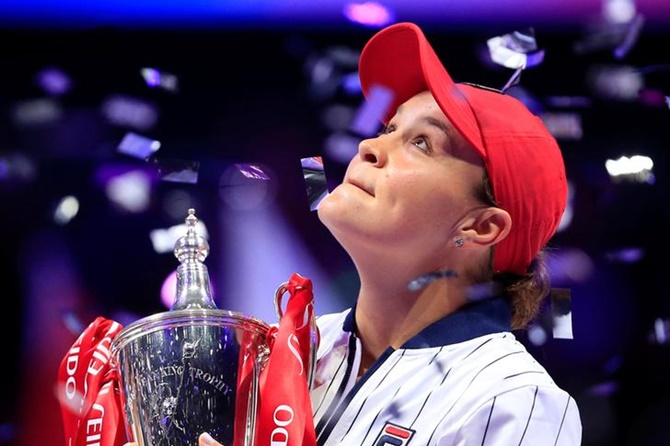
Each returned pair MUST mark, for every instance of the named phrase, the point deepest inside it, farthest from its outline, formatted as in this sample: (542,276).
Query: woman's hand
(204,440)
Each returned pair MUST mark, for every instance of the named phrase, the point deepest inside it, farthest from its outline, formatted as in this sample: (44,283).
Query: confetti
(426,279)
(252,171)
(371,113)
(246,186)
(561,313)
(316,184)
(515,50)
(177,170)
(138,146)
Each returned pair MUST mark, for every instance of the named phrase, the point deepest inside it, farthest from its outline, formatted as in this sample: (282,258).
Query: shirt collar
(471,321)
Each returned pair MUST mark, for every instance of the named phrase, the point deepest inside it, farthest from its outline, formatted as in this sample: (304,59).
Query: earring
(459,242)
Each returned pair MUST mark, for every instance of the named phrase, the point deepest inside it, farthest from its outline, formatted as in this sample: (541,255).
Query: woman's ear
(489,227)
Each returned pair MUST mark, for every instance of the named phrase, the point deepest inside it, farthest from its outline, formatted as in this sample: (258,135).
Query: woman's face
(408,189)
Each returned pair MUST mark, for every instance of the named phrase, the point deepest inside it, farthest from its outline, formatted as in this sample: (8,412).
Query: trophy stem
(193,289)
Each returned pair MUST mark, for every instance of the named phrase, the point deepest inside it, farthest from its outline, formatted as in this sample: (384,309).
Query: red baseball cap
(522,159)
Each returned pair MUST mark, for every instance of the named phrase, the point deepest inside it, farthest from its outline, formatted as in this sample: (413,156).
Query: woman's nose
(369,150)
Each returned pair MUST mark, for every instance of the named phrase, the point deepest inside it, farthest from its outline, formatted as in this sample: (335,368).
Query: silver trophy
(194,368)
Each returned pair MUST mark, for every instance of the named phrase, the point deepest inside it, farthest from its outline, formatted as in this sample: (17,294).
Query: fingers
(206,440)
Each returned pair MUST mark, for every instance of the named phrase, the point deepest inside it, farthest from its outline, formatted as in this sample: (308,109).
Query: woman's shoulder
(331,321)
(332,331)
(501,357)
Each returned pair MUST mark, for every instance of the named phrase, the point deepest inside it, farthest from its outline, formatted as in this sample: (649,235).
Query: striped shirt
(464,380)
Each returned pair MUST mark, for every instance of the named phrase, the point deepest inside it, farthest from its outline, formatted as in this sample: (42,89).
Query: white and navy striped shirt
(465,380)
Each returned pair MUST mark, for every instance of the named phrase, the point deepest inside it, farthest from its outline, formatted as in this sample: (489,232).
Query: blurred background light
(66,209)
(17,167)
(636,168)
(169,289)
(130,191)
(127,111)
(54,81)
(160,79)
(372,14)
(35,112)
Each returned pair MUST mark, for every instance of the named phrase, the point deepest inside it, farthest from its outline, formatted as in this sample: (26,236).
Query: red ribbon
(285,412)
(88,391)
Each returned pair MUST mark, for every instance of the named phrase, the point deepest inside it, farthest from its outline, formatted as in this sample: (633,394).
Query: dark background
(248,95)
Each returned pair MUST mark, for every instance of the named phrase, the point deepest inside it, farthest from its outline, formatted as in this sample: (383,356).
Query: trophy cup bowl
(192,369)
(185,372)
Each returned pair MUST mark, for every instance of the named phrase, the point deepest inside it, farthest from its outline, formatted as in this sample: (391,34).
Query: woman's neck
(388,316)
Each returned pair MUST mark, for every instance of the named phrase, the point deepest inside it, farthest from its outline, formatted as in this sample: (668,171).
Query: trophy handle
(314,337)
(279,294)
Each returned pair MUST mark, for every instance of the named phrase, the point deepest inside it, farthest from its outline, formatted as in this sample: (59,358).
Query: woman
(445,215)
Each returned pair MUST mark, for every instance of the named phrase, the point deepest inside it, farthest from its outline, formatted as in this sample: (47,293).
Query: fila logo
(393,435)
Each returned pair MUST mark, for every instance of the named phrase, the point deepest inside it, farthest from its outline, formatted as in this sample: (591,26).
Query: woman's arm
(530,415)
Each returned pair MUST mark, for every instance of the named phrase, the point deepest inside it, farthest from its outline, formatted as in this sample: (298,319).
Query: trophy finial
(191,247)
(193,288)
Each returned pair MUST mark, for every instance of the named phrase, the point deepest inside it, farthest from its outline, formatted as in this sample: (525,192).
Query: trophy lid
(191,247)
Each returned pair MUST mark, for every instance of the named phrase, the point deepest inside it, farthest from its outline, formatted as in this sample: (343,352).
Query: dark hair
(525,292)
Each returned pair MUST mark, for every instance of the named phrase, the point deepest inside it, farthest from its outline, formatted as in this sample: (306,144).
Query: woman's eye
(422,144)
(386,130)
